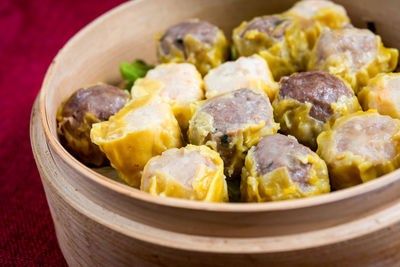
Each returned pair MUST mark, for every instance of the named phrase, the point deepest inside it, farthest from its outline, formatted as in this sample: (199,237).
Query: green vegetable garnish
(279,22)
(233,53)
(128,85)
(224,140)
(131,72)
(179,41)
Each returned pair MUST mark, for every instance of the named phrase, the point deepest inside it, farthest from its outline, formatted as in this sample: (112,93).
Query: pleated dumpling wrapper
(193,41)
(360,147)
(192,172)
(178,84)
(245,72)
(144,128)
(80,111)
(280,168)
(231,123)
(383,94)
(276,38)
(307,101)
(315,15)
(356,55)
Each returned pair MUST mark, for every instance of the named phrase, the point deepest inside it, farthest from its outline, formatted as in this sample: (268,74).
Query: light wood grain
(102,222)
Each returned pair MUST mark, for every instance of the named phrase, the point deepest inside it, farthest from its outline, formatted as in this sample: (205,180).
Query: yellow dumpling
(193,41)
(231,123)
(80,111)
(276,38)
(192,172)
(144,128)
(307,101)
(356,55)
(360,147)
(279,168)
(245,72)
(383,94)
(315,15)
(177,84)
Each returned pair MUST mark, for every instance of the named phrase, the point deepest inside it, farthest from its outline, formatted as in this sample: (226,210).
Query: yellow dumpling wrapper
(383,94)
(229,138)
(356,55)
(192,172)
(360,147)
(144,128)
(179,85)
(203,55)
(294,117)
(278,184)
(315,15)
(285,48)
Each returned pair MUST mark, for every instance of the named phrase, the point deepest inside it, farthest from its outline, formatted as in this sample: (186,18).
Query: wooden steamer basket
(101,222)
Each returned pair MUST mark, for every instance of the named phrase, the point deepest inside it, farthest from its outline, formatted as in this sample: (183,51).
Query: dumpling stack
(275,115)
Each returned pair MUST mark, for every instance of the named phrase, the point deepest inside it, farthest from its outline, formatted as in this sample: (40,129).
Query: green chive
(233,53)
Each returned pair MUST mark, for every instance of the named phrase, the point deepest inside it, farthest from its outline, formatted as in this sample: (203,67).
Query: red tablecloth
(31,33)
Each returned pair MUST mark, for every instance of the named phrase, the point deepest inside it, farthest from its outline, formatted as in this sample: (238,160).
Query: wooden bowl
(102,222)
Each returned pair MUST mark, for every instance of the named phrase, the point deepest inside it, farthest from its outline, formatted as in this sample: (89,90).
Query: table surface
(31,34)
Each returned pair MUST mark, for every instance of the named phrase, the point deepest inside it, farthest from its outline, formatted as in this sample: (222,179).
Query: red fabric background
(31,33)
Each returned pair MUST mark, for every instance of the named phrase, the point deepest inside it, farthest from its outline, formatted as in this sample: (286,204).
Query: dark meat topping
(319,88)
(242,107)
(101,101)
(273,27)
(202,30)
(276,151)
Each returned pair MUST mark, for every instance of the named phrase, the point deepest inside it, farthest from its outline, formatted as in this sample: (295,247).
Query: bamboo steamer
(102,222)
